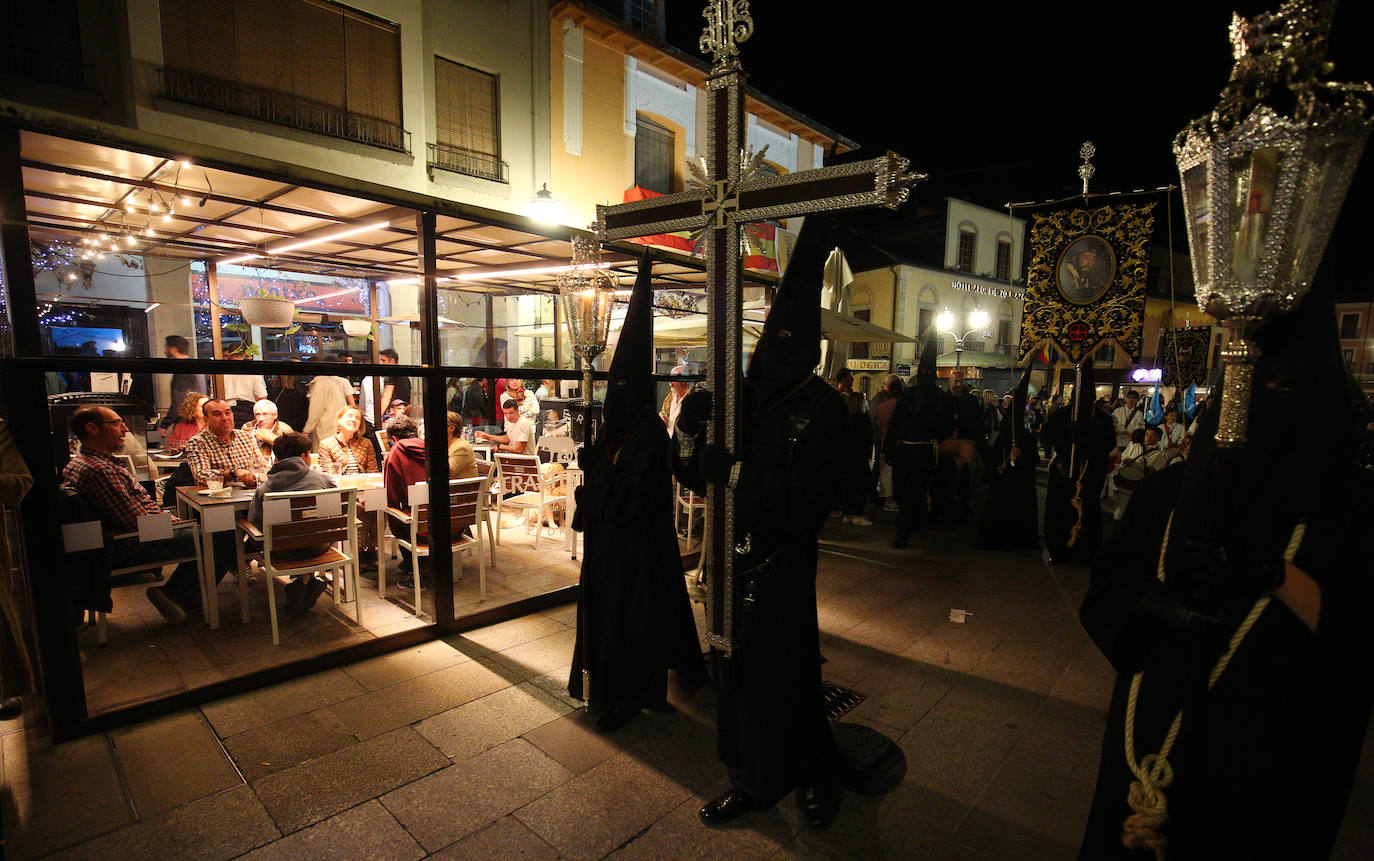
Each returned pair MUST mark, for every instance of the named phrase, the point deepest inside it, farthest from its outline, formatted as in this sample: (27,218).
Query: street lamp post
(945,323)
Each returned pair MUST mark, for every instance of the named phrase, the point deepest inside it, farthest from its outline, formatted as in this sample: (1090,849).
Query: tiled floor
(469,748)
(146,658)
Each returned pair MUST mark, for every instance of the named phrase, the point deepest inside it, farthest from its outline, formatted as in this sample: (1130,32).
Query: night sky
(994,99)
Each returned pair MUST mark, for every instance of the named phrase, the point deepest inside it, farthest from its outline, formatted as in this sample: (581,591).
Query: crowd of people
(296,436)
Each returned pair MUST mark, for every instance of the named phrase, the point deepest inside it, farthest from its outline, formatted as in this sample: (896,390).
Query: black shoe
(819,804)
(295,593)
(614,718)
(170,609)
(313,591)
(11,708)
(900,543)
(726,808)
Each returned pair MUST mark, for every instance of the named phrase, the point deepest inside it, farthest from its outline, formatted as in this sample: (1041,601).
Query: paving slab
(601,810)
(680,835)
(269,705)
(491,720)
(506,839)
(170,761)
(57,795)
(416,699)
(504,635)
(288,742)
(366,831)
(574,741)
(379,672)
(318,789)
(212,829)
(539,657)
(466,797)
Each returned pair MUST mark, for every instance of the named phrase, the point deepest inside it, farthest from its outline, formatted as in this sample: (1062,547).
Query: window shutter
(466,108)
(653,156)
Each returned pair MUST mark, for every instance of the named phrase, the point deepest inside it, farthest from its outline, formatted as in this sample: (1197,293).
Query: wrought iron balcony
(284,109)
(468,162)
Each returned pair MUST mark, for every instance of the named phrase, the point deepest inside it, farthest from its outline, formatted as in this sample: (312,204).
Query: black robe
(1073,491)
(1265,761)
(634,620)
(919,420)
(1010,519)
(772,731)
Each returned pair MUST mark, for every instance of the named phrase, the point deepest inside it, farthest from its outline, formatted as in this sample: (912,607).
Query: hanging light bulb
(129,206)
(129,240)
(167,217)
(71,276)
(149,232)
(185,165)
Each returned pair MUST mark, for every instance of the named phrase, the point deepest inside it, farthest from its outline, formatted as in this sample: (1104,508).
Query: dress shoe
(726,808)
(819,803)
(314,590)
(295,593)
(170,609)
(615,717)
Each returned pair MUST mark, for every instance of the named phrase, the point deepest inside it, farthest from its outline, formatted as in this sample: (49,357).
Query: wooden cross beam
(732,193)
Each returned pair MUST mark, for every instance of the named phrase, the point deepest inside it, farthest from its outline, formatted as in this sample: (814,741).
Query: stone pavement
(469,748)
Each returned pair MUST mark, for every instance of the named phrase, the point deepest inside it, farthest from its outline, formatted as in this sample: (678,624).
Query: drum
(1173,454)
(1128,477)
(1123,439)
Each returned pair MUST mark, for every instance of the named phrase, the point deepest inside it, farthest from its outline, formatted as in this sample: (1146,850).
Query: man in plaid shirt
(112,490)
(222,450)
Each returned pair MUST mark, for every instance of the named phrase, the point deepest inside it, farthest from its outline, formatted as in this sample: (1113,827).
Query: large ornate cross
(730,193)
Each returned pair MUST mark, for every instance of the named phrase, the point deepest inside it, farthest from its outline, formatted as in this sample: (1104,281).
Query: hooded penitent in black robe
(1265,760)
(634,619)
(1010,515)
(771,725)
(1073,491)
(919,420)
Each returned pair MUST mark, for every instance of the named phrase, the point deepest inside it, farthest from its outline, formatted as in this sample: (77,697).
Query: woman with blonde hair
(462,460)
(347,451)
(190,421)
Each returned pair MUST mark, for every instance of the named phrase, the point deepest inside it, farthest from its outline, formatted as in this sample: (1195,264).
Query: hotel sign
(990,290)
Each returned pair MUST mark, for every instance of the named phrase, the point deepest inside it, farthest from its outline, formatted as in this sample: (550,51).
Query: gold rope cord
(1153,774)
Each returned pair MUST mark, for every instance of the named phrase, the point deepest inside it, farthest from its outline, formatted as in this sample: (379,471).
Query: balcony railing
(284,109)
(468,162)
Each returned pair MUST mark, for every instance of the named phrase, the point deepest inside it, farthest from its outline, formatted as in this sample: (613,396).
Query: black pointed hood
(1018,405)
(1300,391)
(930,353)
(1085,395)
(630,391)
(790,347)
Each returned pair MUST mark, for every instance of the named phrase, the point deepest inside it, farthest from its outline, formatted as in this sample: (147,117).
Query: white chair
(309,518)
(182,525)
(688,503)
(467,502)
(520,474)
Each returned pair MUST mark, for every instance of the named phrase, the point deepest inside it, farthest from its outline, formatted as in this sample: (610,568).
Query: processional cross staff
(731,192)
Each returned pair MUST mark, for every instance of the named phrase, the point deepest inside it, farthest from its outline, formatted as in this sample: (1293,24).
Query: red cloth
(405,465)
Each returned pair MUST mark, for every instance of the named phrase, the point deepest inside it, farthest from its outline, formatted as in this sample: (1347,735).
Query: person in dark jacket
(291,472)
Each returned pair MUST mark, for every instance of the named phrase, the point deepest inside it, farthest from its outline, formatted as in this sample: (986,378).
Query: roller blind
(310,49)
(466,108)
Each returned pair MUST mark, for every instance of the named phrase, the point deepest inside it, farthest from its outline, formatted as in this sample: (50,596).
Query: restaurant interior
(311,288)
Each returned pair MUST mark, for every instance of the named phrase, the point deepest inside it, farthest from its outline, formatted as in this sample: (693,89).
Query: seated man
(519,435)
(221,451)
(265,426)
(291,472)
(107,484)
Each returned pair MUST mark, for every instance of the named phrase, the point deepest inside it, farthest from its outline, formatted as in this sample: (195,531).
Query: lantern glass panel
(1199,221)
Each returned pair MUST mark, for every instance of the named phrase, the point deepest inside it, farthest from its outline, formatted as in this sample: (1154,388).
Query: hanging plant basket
(271,312)
(357,328)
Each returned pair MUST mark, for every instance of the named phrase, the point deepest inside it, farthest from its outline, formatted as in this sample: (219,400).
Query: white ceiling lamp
(544,207)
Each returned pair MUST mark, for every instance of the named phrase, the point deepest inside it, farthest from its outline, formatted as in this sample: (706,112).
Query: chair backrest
(383,440)
(466,506)
(307,526)
(561,449)
(519,473)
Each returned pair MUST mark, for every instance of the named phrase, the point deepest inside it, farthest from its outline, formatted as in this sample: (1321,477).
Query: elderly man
(672,403)
(265,426)
(519,435)
(221,451)
(120,499)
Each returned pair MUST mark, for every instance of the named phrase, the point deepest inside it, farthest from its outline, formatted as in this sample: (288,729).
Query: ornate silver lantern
(1264,176)
(588,294)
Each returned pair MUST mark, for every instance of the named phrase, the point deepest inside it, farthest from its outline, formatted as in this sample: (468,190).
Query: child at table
(291,472)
